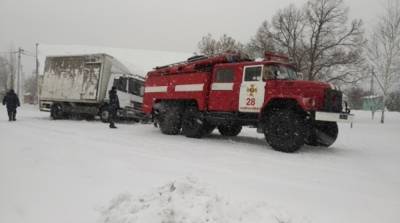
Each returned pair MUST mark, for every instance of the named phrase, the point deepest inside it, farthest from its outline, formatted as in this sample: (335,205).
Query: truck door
(135,90)
(252,89)
(122,90)
(222,96)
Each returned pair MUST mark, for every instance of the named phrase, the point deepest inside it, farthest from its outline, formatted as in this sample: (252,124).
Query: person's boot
(112,126)
(9,117)
(14,114)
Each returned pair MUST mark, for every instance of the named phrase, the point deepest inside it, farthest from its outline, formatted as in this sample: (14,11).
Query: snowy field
(84,172)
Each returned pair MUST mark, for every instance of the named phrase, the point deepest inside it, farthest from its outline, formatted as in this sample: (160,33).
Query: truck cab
(130,90)
(229,91)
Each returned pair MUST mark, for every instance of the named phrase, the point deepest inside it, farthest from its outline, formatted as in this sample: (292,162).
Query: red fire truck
(229,91)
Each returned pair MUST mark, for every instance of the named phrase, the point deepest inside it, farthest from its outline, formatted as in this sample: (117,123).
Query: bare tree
(262,42)
(331,41)
(7,70)
(320,40)
(384,50)
(209,46)
(289,25)
(30,84)
(226,43)
(4,74)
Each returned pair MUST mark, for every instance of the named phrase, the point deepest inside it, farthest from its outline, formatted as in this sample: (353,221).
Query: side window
(270,72)
(134,87)
(224,76)
(252,74)
(121,86)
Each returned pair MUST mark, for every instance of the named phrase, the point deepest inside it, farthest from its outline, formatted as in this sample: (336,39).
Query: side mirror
(141,90)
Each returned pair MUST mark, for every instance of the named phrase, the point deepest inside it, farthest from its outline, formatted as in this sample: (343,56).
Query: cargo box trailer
(78,85)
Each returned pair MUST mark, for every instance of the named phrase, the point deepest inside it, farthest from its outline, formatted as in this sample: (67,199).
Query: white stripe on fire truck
(189,87)
(222,86)
(155,89)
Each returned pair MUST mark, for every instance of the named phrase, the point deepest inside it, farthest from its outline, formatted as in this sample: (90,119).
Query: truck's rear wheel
(104,114)
(57,111)
(193,126)
(323,134)
(284,130)
(170,120)
(230,130)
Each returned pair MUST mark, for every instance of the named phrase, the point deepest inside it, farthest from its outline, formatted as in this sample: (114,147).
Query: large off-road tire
(193,125)
(57,111)
(322,134)
(170,119)
(104,114)
(230,130)
(285,130)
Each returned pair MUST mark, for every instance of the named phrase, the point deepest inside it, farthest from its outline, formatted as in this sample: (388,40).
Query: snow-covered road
(68,171)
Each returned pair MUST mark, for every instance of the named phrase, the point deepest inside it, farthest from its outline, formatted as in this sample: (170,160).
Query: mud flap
(323,134)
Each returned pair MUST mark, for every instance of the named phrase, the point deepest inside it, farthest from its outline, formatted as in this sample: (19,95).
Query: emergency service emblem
(252,90)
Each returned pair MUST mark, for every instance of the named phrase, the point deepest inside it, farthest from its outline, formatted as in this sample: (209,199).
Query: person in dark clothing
(113,106)
(11,100)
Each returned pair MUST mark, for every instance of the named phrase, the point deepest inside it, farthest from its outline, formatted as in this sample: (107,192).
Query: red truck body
(228,90)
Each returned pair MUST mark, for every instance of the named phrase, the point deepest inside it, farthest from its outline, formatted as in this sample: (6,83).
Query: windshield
(280,72)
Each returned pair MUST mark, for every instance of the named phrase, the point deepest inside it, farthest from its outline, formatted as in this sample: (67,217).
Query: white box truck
(78,85)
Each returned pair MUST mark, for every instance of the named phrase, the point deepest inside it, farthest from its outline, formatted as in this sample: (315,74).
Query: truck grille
(137,105)
(333,100)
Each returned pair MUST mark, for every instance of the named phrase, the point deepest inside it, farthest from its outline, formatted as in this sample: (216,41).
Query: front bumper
(334,116)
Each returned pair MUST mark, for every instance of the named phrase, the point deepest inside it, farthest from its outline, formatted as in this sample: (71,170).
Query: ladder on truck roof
(200,63)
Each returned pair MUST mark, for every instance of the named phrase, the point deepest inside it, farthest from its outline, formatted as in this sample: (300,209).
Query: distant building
(372,103)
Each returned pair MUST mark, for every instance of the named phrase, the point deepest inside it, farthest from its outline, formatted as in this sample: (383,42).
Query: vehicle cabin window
(135,87)
(121,83)
(279,72)
(115,83)
(224,76)
(252,74)
(270,72)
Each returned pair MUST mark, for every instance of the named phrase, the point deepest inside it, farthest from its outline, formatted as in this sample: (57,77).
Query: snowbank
(185,201)
(67,170)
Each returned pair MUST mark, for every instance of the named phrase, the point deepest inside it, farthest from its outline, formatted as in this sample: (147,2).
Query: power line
(8,52)
(29,55)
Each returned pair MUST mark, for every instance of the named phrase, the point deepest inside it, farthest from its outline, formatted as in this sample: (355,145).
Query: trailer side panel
(71,78)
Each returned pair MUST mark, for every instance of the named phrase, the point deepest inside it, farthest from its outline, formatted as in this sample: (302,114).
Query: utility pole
(373,99)
(37,74)
(372,85)
(19,72)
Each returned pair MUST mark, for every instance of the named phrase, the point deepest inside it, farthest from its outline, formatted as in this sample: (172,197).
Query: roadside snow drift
(187,201)
(68,171)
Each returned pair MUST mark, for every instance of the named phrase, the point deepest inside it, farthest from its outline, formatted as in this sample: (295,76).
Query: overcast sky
(170,25)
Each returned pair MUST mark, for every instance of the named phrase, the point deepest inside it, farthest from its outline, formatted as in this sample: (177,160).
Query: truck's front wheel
(230,130)
(284,130)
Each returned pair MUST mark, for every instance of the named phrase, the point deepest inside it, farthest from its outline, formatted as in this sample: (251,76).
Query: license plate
(344,116)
